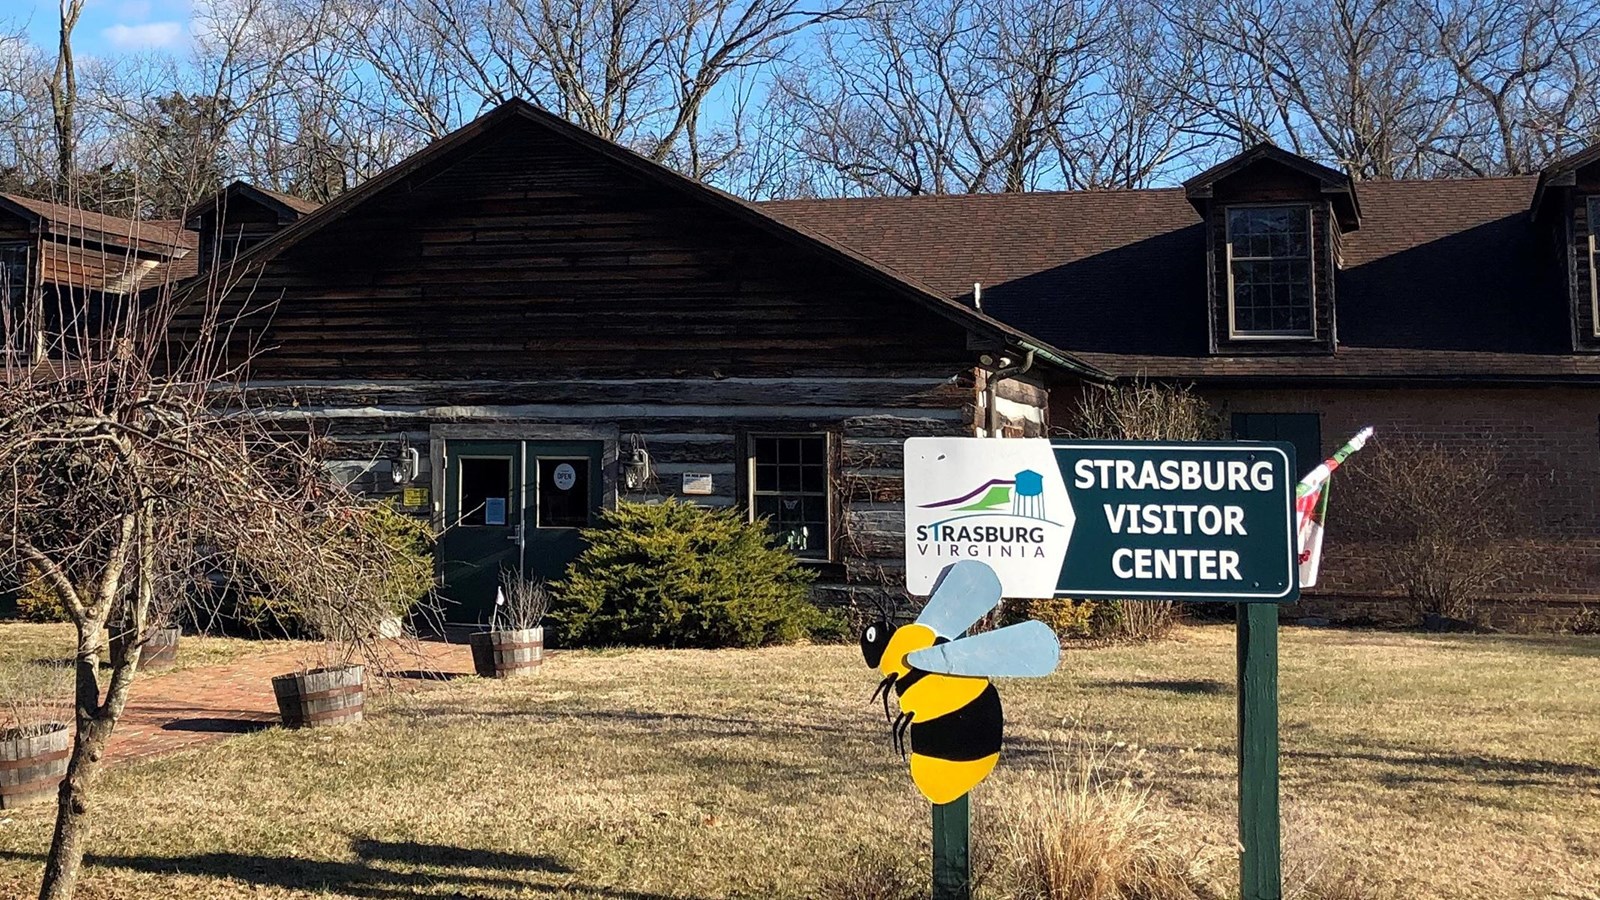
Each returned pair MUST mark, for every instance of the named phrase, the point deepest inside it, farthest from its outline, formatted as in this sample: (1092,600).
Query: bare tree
(640,72)
(1529,76)
(963,96)
(134,475)
(26,124)
(180,126)
(64,96)
(1347,81)
(1139,122)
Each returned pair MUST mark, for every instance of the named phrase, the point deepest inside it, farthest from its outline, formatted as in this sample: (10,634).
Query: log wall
(687,425)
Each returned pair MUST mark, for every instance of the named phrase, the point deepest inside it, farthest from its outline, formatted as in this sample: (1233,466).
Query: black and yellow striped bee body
(952,725)
(950,716)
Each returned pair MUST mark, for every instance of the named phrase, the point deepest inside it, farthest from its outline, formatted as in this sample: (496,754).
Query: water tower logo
(1022,496)
(1003,502)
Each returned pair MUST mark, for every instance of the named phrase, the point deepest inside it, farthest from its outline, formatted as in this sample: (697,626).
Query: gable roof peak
(1333,184)
(287,206)
(446,150)
(1563,173)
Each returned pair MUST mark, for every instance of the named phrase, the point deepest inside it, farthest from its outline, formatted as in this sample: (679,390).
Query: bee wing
(964,592)
(1025,650)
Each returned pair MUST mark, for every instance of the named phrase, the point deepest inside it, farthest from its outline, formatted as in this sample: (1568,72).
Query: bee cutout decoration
(950,718)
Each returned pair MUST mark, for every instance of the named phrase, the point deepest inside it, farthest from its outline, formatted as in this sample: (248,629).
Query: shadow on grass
(53,662)
(1499,771)
(383,870)
(1190,686)
(426,675)
(1580,645)
(690,723)
(217,725)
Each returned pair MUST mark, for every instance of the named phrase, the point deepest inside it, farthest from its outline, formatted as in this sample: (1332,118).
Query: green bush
(36,601)
(673,574)
(406,577)
(410,575)
(1102,620)
(1067,618)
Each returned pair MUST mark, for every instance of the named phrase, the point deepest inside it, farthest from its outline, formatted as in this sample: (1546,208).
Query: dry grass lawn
(1432,766)
(24,644)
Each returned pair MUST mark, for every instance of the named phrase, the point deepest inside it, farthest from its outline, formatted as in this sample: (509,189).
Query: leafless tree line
(815,97)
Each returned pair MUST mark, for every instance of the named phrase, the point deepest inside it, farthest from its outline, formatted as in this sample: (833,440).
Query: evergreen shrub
(673,574)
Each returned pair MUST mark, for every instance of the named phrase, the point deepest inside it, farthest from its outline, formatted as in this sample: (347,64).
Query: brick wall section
(1549,439)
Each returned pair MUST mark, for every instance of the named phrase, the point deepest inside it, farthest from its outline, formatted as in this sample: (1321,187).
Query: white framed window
(1270,281)
(790,489)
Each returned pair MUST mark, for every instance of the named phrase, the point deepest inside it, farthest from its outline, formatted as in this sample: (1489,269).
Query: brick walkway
(182,709)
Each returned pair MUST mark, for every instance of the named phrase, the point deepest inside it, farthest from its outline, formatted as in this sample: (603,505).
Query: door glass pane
(485,491)
(563,493)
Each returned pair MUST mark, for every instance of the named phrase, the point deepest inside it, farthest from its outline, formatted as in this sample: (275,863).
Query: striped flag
(1311,506)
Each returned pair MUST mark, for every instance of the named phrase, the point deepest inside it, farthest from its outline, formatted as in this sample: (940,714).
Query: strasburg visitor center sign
(1198,521)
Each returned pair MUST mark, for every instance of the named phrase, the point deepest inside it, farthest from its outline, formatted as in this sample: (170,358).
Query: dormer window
(1270,272)
(1274,236)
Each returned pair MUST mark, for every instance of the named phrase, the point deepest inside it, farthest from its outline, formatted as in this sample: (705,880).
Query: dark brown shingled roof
(298,204)
(1442,280)
(161,236)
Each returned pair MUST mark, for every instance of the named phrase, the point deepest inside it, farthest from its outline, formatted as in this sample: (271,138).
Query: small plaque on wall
(414,496)
(697,483)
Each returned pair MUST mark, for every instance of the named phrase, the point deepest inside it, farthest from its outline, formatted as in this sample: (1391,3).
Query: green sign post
(952,862)
(1206,521)
(1260,877)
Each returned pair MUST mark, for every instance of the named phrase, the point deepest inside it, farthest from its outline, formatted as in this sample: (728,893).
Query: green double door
(512,506)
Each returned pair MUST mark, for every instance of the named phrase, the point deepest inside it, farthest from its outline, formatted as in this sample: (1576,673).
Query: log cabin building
(523,322)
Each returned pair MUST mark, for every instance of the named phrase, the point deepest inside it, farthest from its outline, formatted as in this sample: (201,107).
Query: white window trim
(1234,334)
(1593,204)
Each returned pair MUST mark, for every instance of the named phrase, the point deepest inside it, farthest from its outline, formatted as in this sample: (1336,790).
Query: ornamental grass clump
(1082,829)
(521,605)
(35,698)
(673,574)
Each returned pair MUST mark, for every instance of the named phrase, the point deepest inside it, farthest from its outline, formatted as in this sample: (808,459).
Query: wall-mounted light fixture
(636,467)
(405,467)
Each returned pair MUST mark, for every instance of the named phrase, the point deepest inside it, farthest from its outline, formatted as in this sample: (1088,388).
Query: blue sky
(108,27)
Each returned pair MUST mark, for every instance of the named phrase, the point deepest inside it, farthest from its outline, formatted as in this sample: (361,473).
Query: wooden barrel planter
(508,654)
(320,697)
(160,649)
(33,761)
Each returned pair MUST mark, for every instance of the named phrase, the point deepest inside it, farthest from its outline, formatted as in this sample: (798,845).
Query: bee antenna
(887,606)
